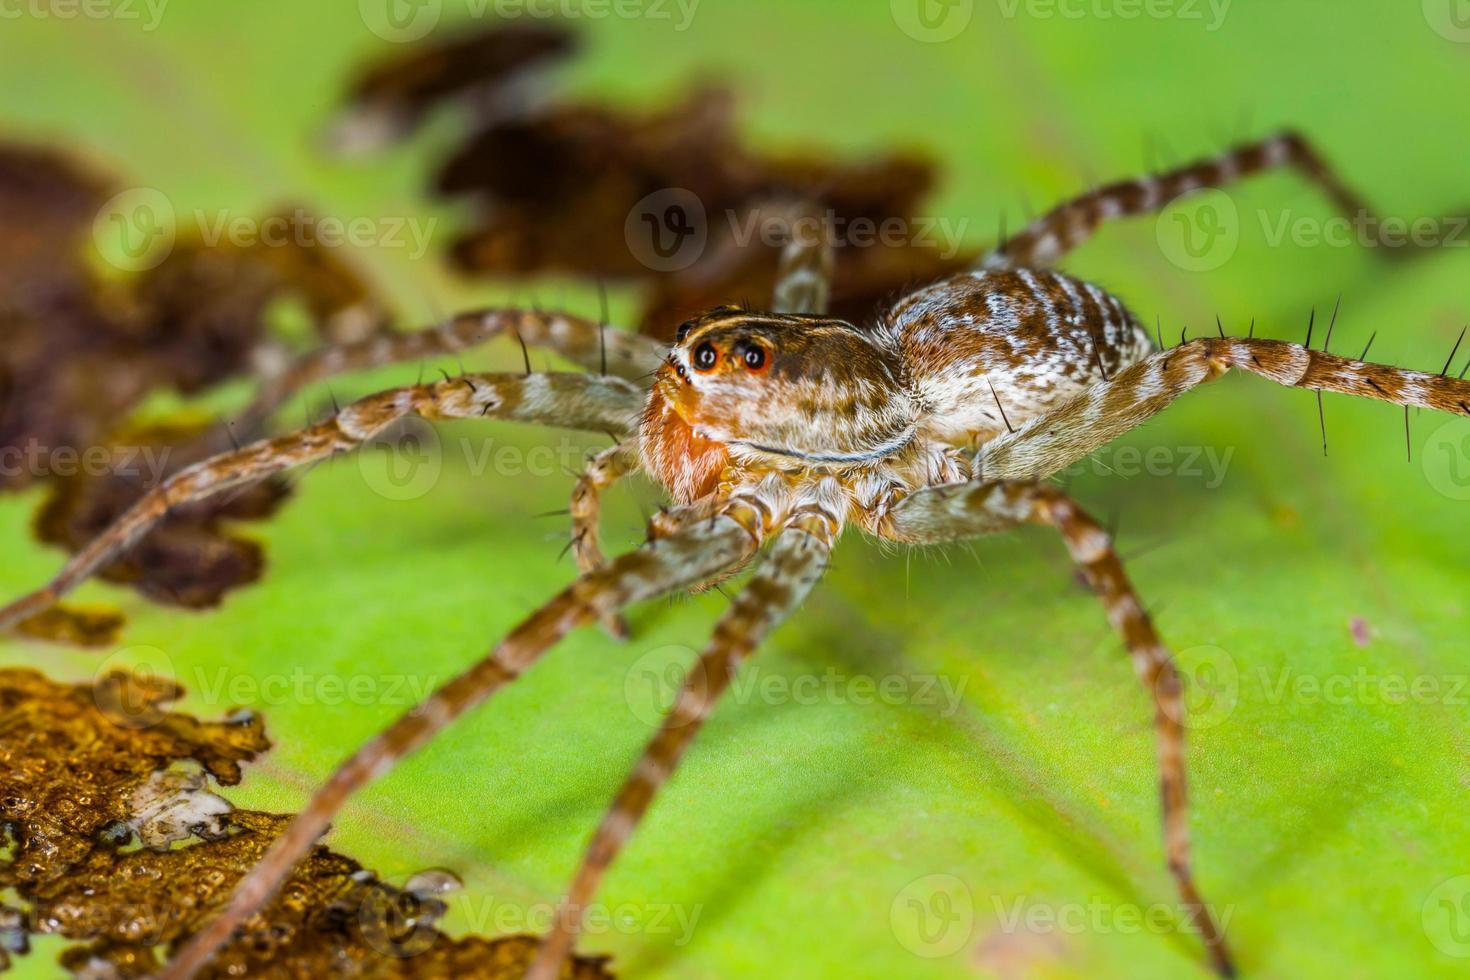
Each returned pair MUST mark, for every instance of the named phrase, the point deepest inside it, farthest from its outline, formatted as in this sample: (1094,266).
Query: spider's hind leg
(1050,237)
(946,513)
(1055,440)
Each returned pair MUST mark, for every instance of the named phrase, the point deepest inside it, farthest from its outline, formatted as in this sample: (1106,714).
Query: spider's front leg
(794,564)
(947,513)
(596,347)
(579,401)
(695,551)
(1053,235)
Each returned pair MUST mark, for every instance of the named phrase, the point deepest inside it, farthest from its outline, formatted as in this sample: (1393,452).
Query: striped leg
(804,277)
(697,551)
(596,347)
(963,510)
(577,401)
(605,469)
(795,563)
(1051,442)
(1049,238)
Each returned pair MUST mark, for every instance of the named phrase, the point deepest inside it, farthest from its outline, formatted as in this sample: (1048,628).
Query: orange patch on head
(685,462)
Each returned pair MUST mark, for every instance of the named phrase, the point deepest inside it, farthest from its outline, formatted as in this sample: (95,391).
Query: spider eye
(705,356)
(754,357)
(683,331)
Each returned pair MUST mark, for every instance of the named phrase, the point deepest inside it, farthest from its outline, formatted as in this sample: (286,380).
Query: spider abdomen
(988,350)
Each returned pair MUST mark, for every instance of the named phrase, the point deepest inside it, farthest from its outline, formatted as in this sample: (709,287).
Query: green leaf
(804,832)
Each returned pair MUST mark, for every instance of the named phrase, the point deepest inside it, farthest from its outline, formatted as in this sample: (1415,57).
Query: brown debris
(190,559)
(561,185)
(391,100)
(75,626)
(83,349)
(90,777)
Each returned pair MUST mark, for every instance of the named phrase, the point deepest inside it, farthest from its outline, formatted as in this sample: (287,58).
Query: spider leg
(794,564)
(605,469)
(1053,235)
(963,510)
(577,401)
(1053,441)
(696,550)
(804,276)
(628,355)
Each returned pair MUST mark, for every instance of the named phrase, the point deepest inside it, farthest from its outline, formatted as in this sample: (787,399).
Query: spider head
(771,389)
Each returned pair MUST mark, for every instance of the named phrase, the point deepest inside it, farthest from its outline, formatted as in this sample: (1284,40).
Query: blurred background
(995,814)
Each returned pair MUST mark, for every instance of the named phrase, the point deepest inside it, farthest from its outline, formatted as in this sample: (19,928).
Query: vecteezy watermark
(653,682)
(935,916)
(1445,915)
(148,12)
(667,231)
(1211,680)
(1449,18)
(493,916)
(1100,916)
(406,460)
(405,21)
(1205,463)
(1199,232)
(137,230)
(1445,459)
(932,21)
(670,230)
(36,460)
(137,706)
(1362,686)
(1210,14)
(1363,230)
(935,21)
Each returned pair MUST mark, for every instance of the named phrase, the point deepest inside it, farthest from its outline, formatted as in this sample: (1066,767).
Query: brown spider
(941,422)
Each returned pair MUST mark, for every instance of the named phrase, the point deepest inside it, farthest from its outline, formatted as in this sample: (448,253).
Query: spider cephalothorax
(773,431)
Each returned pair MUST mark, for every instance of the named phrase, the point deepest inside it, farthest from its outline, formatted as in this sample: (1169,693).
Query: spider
(772,432)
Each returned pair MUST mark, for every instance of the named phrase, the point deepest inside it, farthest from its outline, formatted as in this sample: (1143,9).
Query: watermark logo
(136,229)
(1446,459)
(1211,681)
(400,21)
(667,231)
(932,21)
(933,916)
(1445,915)
(1199,232)
(402,462)
(652,685)
(1102,917)
(127,685)
(1209,13)
(402,921)
(149,12)
(1449,18)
